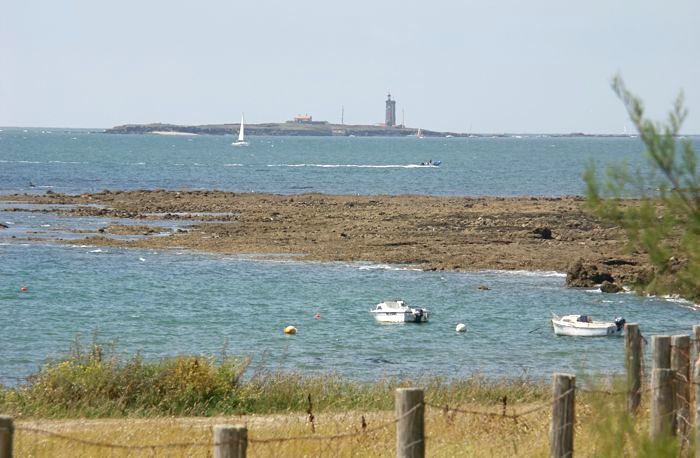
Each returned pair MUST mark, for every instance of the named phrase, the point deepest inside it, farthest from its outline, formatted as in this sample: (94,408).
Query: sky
(536,66)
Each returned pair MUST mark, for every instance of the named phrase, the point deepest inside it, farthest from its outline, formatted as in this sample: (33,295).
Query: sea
(180,302)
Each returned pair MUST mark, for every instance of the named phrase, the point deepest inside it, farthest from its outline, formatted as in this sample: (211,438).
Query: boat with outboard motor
(399,312)
(584,325)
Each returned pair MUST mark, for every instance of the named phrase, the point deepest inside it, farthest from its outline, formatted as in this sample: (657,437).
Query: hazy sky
(477,66)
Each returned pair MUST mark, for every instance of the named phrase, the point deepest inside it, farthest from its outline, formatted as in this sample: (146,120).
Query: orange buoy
(318,315)
(24,288)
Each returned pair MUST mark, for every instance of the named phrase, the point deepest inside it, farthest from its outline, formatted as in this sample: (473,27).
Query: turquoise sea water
(78,161)
(177,302)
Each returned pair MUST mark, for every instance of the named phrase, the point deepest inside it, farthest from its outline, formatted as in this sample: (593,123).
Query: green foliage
(660,209)
(617,434)
(94,382)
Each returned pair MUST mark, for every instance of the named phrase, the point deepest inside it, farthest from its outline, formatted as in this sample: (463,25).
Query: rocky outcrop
(543,233)
(583,274)
(611,274)
(609,287)
(431,233)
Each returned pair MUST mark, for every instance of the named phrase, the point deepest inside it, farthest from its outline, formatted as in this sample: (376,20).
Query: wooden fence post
(660,352)
(696,378)
(680,362)
(561,435)
(410,437)
(7,429)
(662,400)
(230,441)
(633,367)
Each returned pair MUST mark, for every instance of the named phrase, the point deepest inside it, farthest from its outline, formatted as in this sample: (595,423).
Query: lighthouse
(390,119)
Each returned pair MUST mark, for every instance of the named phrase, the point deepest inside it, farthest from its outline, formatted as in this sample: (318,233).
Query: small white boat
(419,133)
(584,325)
(399,312)
(241,134)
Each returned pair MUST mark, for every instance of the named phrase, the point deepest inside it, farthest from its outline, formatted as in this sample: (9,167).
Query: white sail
(241,134)
(241,131)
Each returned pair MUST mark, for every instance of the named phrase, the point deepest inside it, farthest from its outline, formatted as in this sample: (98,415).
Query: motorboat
(586,326)
(431,163)
(399,312)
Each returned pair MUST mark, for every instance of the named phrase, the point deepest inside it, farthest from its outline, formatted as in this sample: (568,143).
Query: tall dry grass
(603,429)
(93,403)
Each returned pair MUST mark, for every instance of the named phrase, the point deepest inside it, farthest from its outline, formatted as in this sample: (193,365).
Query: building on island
(306,118)
(390,119)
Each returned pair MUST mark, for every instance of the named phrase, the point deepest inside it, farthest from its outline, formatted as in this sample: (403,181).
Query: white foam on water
(98,251)
(20,162)
(674,298)
(233,165)
(388,267)
(357,166)
(527,273)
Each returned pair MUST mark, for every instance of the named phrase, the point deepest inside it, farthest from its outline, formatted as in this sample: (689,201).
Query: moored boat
(399,312)
(585,326)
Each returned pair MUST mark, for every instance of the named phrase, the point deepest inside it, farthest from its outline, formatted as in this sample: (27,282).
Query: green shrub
(96,383)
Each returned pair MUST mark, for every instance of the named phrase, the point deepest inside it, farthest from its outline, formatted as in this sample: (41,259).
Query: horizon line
(571,133)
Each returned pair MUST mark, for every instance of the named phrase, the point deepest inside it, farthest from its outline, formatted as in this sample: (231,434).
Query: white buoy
(461,327)
(290,330)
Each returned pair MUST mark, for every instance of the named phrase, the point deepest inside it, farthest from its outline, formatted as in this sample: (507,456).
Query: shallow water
(169,303)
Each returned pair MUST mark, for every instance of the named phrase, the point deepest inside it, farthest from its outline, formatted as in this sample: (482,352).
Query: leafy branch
(658,208)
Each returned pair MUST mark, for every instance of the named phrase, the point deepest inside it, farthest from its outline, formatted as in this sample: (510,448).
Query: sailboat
(241,134)
(419,134)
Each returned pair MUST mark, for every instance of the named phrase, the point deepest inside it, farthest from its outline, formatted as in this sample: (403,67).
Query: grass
(602,429)
(94,404)
(95,383)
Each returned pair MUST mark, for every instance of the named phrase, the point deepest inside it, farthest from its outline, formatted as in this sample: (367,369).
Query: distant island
(316,129)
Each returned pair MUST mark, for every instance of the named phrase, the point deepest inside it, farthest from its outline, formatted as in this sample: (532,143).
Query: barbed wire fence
(416,428)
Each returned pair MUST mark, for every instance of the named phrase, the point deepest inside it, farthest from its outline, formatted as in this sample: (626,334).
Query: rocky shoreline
(430,233)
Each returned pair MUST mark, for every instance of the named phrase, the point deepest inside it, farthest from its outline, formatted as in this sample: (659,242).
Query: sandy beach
(431,233)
